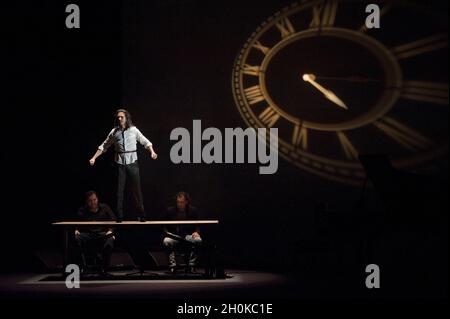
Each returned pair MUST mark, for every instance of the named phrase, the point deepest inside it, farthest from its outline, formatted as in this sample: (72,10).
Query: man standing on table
(125,136)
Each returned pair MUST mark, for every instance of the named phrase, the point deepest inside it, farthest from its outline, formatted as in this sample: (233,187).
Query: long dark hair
(128,123)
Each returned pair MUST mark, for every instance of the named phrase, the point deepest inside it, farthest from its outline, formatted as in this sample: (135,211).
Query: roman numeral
(261,47)
(324,14)
(349,150)
(269,117)
(404,135)
(300,137)
(251,70)
(254,94)
(421,46)
(285,27)
(425,92)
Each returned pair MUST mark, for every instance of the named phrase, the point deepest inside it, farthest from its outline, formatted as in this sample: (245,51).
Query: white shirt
(125,144)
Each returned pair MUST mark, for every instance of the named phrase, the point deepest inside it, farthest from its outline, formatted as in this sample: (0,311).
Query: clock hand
(328,94)
(354,78)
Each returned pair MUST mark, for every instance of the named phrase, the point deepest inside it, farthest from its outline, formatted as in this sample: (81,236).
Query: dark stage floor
(238,285)
(156,285)
(286,294)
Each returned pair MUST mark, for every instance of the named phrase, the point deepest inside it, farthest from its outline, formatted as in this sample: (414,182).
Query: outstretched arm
(145,142)
(152,152)
(97,154)
(102,148)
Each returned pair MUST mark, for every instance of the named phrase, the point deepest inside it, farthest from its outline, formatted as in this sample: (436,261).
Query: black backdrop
(168,62)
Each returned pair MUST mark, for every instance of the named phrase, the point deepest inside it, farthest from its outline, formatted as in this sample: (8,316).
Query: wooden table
(71,225)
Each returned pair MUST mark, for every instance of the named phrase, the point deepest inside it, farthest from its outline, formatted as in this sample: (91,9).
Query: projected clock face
(336,89)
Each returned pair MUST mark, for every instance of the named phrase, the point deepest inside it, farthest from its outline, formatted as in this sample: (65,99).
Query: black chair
(92,262)
(205,250)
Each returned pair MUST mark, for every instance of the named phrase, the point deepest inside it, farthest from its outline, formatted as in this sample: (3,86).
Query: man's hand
(77,233)
(195,235)
(152,152)
(97,154)
(109,232)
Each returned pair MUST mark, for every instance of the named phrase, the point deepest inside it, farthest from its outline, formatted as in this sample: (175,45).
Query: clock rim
(253,121)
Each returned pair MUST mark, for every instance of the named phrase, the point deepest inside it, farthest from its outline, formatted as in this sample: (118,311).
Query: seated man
(183,210)
(95,238)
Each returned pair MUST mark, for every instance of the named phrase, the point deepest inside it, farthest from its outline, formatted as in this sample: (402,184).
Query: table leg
(65,248)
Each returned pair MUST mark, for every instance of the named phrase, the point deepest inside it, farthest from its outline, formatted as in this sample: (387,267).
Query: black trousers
(92,242)
(128,179)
